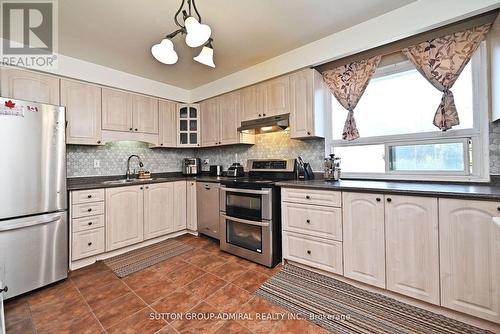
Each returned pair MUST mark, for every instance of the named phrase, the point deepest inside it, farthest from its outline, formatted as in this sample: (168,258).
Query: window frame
(479,134)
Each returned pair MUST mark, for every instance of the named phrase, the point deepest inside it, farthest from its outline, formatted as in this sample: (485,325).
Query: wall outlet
(206,161)
(97,163)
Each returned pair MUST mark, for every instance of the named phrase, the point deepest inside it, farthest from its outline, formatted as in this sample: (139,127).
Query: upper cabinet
(83,112)
(168,123)
(310,105)
(117,110)
(209,110)
(30,86)
(277,96)
(188,125)
(145,114)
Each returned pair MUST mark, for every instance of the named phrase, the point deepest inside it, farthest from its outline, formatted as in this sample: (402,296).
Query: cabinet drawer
(87,243)
(87,196)
(317,253)
(87,223)
(87,209)
(320,221)
(310,196)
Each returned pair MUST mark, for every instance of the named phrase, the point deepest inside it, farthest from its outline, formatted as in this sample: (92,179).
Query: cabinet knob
(263,114)
(135,129)
(89,223)
(90,244)
(309,252)
(308,221)
(98,142)
(5,289)
(308,197)
(498,208)
(389,199)
(161,144)
(378,199)
(308,133)
(260,115)
(220,142)
(89,209)
(131,129)
(142,188)
(147,187)
(89,196)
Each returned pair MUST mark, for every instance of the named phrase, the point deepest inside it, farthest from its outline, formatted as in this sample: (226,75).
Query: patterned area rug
(343,308)
(136,260)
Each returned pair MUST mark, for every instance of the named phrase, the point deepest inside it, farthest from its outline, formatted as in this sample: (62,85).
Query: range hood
(266,124)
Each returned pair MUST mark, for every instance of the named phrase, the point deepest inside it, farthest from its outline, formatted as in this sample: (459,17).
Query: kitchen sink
(124,181)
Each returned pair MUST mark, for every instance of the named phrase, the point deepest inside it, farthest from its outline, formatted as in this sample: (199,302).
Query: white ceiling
(120,33)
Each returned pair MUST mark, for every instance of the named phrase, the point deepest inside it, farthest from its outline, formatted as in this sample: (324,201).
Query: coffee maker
(191,166)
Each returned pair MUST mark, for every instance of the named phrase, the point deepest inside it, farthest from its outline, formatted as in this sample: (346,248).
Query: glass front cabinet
(188,125)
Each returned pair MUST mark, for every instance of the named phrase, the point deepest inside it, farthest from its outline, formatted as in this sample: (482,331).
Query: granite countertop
(96,182)
(487,191)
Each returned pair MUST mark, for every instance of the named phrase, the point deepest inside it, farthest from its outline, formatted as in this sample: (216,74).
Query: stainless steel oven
(246,223)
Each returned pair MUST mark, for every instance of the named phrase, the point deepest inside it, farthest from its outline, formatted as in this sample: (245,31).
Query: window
(398,139)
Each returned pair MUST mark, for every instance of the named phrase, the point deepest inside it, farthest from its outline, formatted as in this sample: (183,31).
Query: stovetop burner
(265,172)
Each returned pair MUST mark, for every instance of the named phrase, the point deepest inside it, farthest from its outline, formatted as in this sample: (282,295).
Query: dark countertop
(487,191)
(96,182)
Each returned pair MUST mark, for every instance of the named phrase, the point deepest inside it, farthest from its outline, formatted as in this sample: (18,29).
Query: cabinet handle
(90,244)
(309,252)
(263,114)
(142,188)
(207,188)
(260,115)
(131,129)
(135,129)
(89,209)
(98,142)
(147,187)
(5,289)
(498,208)
(90,223)
(389,200)
(161,144)
(308,197)
(308,133)
(89,196)
(378,199)
(308,221)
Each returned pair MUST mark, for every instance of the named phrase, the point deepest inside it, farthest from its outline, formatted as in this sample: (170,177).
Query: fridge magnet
(10,108)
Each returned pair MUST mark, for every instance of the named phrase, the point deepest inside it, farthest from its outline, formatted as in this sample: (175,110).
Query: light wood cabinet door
(168,123)
(188,125)
(30,86)
(253,102)
(83,112)
(364,245)
(145,114)
(87,243)
(469,241)
(116,110)
(158,209)
(412,246)
(229,118)
(301,104)
(209,115)
(277,96)
(180,206)
(191,206)
(124,216)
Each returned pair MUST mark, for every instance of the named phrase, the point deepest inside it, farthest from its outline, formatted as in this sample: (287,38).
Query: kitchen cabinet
(364,240)
(188,127)
(277,96)
(158,209)
(412,246)
(30,86)
(191,217)
(253,102)
(168,123)
(124,216)
(180,206)
(209,114)
(469,241)
(207,195)
(310,105)
(87,243)
(229,119)
(117,110)
(145,114)
(83,112)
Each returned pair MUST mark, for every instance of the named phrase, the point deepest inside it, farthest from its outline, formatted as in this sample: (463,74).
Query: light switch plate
(206,161)
(97,163)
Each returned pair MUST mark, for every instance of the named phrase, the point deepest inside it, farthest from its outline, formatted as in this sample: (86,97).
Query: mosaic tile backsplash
(495,148)
(113,156)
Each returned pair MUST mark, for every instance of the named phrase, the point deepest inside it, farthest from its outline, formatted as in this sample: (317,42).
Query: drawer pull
(308,221)
(308,197)
(389,200)
(89,223)
(89,209)
(309,252)
(498,208)
(378,199)
(90,244)
(89,196)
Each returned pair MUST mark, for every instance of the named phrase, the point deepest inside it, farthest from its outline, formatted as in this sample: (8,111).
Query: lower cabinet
(191,216)
(412,246)
(364,239)
(469,240)
(87,243)
(180,206)
(124,216)
(158,210)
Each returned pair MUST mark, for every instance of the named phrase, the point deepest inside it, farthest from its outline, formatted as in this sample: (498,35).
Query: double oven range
(250,211)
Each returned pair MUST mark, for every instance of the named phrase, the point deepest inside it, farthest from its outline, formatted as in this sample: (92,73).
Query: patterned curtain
(441,61)
(348,83)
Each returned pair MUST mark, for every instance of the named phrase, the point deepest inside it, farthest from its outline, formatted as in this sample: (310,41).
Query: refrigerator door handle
(27,222)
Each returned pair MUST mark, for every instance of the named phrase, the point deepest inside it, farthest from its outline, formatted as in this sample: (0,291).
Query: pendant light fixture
(197,34)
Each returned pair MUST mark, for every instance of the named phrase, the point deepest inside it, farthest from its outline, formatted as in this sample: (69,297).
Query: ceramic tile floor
(202,281)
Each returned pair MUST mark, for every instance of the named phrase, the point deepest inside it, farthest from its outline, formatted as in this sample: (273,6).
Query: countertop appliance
(250,212)
(191,166)
(216,170)
(33,207)
(235,170)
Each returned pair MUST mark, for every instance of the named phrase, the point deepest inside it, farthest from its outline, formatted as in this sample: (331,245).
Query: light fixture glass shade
(206,56)
(164,52)
(197,33)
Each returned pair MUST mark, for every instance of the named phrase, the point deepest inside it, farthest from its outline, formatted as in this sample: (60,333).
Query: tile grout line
(88,305)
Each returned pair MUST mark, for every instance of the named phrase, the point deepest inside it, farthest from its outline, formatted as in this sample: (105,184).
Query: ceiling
(119,33)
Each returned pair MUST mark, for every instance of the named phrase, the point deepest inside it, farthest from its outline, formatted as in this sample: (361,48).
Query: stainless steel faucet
(128,174)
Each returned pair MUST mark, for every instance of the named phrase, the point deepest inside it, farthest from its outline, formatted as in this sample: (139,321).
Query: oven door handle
(247,191)
(244,221)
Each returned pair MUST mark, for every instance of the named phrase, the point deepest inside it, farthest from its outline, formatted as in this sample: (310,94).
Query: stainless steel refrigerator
(33,197)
